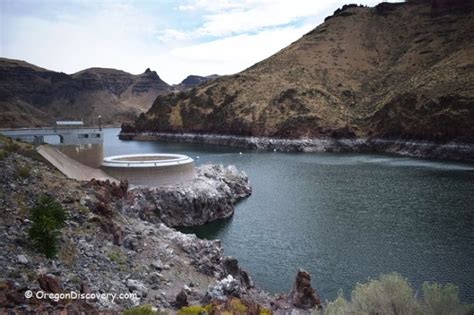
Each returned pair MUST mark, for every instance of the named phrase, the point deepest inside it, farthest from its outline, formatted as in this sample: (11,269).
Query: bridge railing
(52,128)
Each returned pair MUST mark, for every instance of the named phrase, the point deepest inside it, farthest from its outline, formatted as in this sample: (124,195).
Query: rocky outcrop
(210,196)
(302,295)
(450,150)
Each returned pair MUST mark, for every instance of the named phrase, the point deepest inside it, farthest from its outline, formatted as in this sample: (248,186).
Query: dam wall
(70,167)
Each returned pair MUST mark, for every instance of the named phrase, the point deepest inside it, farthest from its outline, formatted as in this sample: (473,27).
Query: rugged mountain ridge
(191,81)
(33,96)
(396,71)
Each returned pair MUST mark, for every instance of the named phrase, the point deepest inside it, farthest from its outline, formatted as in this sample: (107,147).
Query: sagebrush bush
(192,310)
(3,154)
(141,310)
(391,294)
(23,171)
(337,307)
(441,300)
(11,145)
(47,217)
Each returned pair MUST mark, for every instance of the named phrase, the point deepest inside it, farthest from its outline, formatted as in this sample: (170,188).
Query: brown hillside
(33,96)
(395,70)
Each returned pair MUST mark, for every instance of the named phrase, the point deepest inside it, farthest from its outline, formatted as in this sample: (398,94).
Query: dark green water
(342,217)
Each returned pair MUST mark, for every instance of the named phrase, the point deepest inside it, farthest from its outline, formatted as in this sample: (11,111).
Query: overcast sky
(175,38)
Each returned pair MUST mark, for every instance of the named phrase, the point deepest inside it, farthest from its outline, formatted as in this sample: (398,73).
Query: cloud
(110,37)
(262,14)
(175,38)
(221,56)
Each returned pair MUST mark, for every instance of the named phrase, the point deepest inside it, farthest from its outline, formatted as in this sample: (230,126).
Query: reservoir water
(342,217)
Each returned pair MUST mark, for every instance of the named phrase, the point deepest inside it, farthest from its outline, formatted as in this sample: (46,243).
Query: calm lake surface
(342,217)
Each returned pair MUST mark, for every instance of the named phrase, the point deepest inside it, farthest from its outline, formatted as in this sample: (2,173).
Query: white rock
(22,259)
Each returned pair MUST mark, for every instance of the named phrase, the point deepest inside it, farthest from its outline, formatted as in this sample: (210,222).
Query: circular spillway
(153,169)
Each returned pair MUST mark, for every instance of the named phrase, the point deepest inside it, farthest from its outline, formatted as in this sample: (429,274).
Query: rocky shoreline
(116,241)
(456,151)
(210,196)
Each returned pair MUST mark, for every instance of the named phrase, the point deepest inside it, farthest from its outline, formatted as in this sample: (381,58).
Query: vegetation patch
(193,310)
(3,154)
(392,294)
(141,310)
(23,171)
(47,217)
(117,257)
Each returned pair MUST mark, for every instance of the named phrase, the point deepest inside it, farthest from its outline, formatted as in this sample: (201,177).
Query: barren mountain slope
(395,70)
(33,96)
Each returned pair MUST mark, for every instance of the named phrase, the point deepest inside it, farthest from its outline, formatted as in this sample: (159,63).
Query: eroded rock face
(302,295)
(210,196)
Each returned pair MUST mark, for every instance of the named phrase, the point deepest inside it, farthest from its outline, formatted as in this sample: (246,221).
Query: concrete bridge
(67,136)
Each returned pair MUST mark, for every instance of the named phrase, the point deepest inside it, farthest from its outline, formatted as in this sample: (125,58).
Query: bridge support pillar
(38,140)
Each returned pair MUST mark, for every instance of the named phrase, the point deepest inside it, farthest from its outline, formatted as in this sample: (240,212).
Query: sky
(175,38)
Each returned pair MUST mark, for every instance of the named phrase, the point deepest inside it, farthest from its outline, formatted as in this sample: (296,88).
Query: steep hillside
(33,96)
(400,70)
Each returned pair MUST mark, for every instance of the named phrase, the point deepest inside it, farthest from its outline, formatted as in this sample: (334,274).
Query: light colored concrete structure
(80,143)
(150,169)
(70,167)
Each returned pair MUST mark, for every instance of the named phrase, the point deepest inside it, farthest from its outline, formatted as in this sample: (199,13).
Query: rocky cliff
(32,96)
(210,196)
(394,71)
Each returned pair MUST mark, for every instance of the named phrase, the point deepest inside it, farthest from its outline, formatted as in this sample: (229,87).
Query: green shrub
(11,146)
(337,307)
(117,257)
(47,218)
(3,155)
(23,171)
(389,295)
(392,294)
(441,300)
(141,310)
(236,306)
(192,310)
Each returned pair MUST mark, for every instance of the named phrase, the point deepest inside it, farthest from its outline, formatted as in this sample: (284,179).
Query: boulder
(49,284)
(181,299)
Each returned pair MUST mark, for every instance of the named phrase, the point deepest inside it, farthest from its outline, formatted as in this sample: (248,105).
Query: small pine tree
(47,217)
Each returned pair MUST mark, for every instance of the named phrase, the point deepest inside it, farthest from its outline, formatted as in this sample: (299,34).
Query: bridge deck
(47,131)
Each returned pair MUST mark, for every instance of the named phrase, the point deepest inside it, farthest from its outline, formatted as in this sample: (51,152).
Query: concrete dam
(80,155)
